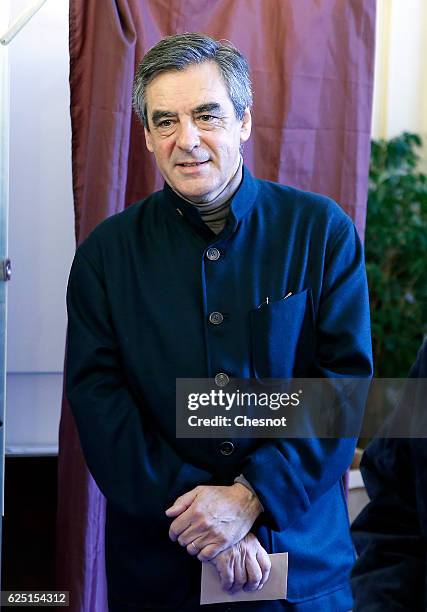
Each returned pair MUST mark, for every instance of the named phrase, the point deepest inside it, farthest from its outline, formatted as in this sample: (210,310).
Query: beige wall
(400,91)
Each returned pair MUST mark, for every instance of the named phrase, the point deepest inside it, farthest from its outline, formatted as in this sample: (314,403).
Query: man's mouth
(192,164)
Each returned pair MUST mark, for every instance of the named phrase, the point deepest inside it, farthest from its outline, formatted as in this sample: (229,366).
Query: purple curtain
(312,69)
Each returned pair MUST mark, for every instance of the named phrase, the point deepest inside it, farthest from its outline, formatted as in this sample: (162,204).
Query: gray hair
(182,50)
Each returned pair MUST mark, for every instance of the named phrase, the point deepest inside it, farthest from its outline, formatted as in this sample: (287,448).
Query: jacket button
(221,379)
(213,254)
(216,318)
(226,448)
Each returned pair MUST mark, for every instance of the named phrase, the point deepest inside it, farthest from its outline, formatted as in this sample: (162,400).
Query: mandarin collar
(241,202)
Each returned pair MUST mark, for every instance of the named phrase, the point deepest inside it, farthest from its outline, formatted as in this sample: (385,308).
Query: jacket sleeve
(389,573)
(136,469)
(289,475)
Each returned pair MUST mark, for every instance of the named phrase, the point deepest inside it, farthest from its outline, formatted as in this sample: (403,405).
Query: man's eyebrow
(207,108)
(159,114)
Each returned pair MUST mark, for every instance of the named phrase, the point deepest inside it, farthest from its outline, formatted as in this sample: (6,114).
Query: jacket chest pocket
(282,337)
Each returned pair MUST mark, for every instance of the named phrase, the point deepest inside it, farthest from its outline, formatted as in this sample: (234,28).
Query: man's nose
(188,136)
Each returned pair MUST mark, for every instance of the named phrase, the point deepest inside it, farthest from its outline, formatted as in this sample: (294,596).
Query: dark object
(226,448)
(28,547)
(390,534)
(6,270)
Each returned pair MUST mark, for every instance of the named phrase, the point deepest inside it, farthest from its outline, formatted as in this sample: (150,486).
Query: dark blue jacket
(391,532)
(140,292)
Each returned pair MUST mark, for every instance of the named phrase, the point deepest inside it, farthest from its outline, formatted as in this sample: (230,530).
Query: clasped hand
(209,519)
(213,522)
(246,565)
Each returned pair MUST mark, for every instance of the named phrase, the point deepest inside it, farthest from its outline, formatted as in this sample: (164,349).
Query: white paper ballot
(275,588)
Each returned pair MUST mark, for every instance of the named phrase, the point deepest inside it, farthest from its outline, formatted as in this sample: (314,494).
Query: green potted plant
(396,253)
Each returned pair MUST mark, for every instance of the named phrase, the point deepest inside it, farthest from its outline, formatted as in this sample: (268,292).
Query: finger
(226,573)
(253,572)
(265,565)
(180,524)
(186,537)
(210,542)
(240,576)
(207,553)
(181,504)
(193,548)
(227,578)
(191,526)
(199,530)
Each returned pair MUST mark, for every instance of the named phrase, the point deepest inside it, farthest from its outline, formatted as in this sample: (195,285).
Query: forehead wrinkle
(172,87)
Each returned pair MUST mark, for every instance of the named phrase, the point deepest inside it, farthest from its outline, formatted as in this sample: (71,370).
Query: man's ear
(148,140)
(245,130)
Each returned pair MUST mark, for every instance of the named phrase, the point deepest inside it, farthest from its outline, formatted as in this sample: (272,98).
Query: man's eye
(207,117)
(165,123)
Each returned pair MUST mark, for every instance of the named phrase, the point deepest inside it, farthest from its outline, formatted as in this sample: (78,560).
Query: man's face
(194,133)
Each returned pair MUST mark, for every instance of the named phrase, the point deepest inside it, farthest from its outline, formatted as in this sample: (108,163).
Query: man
(391,532)
(171,288)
